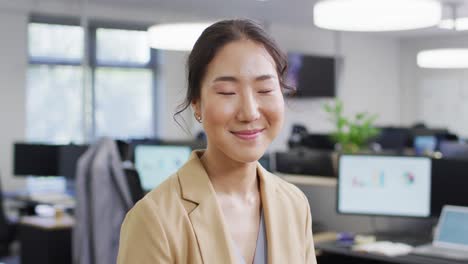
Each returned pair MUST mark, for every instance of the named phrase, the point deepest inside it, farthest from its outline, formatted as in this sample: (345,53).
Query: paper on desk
(385,247)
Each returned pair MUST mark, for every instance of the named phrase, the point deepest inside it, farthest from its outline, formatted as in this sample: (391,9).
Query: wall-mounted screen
(313,76)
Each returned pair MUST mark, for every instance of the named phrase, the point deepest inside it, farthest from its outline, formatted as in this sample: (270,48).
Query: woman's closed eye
(226,93)
(266,91)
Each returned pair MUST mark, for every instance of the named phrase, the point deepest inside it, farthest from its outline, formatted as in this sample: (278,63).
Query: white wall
(174,86)
(369,79)
(12,92)
(438,97)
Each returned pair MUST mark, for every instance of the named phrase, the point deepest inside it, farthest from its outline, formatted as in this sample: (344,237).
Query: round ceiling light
(178,36)
(443,59)
(376,15)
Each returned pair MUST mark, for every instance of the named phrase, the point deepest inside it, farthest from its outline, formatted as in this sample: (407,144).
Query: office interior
(59,105)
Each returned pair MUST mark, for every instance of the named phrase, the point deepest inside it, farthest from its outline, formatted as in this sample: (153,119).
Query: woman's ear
(196,108)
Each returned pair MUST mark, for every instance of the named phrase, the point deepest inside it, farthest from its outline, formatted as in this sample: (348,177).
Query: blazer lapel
(275,220)
(206,218)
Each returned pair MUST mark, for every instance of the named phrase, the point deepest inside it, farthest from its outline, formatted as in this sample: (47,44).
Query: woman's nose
(248,108)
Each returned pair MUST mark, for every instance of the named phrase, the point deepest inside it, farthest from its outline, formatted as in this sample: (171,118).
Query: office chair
(131,174)
(134,183)
(298,132)
(7,229)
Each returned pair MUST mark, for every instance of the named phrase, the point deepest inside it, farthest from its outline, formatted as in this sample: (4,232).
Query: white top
(261,251)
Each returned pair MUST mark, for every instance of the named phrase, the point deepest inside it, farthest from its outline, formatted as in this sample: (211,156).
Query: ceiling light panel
(443,59)
(377,15)
(179,36)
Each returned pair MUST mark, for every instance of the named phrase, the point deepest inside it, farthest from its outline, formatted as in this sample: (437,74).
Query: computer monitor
(193,144)
(424,145)
(454,149)
(35,159)
(384,185)
(155,163)
(318,141)
(449,184)
(394,138)
(452,229)
(306,162)
(68,159)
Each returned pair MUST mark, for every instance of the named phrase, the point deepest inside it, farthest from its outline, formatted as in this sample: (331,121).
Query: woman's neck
(228,176)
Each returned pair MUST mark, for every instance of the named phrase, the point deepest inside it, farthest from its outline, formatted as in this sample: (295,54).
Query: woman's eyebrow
(226,79)
(262,77)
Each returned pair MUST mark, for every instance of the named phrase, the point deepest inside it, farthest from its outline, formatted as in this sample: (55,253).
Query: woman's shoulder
(146,221)
(163,196)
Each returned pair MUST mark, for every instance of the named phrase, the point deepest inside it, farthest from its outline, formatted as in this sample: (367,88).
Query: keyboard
(442,252)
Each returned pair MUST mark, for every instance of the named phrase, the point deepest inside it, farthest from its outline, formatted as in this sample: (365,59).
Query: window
(54,103)
(122,105)
(54,95)
(123,80)
(118,102)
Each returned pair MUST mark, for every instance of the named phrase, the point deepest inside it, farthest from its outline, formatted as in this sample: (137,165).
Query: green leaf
(352,134)
(327,108)
(360,116)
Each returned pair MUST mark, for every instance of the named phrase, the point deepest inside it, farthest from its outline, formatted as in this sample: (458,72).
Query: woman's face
(241,103)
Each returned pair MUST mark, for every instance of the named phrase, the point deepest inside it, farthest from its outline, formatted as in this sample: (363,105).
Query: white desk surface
(308,179)
(48,223)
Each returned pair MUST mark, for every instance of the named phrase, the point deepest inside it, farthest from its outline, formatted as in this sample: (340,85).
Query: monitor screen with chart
(155,163)
(384,185)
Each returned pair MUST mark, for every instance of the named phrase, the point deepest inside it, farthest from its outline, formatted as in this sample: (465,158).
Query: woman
(222,206)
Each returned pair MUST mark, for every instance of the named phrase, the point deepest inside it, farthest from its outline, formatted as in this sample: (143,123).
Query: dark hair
(217,36)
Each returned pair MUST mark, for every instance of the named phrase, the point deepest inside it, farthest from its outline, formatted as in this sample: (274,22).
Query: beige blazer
(181,222)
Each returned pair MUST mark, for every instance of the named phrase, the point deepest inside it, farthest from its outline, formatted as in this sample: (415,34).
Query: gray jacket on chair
(103,199)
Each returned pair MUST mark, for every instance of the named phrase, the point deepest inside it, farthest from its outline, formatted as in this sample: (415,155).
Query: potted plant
(352,135)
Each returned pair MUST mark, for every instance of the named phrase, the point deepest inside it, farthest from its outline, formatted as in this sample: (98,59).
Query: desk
(334,252)
(62,199)
(25,203)
(300,179)
(46,240)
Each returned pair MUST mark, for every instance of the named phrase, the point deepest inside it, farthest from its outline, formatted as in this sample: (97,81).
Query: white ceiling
(284,11)
(293,12)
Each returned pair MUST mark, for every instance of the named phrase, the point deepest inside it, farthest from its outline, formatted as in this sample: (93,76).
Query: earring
(198,117)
